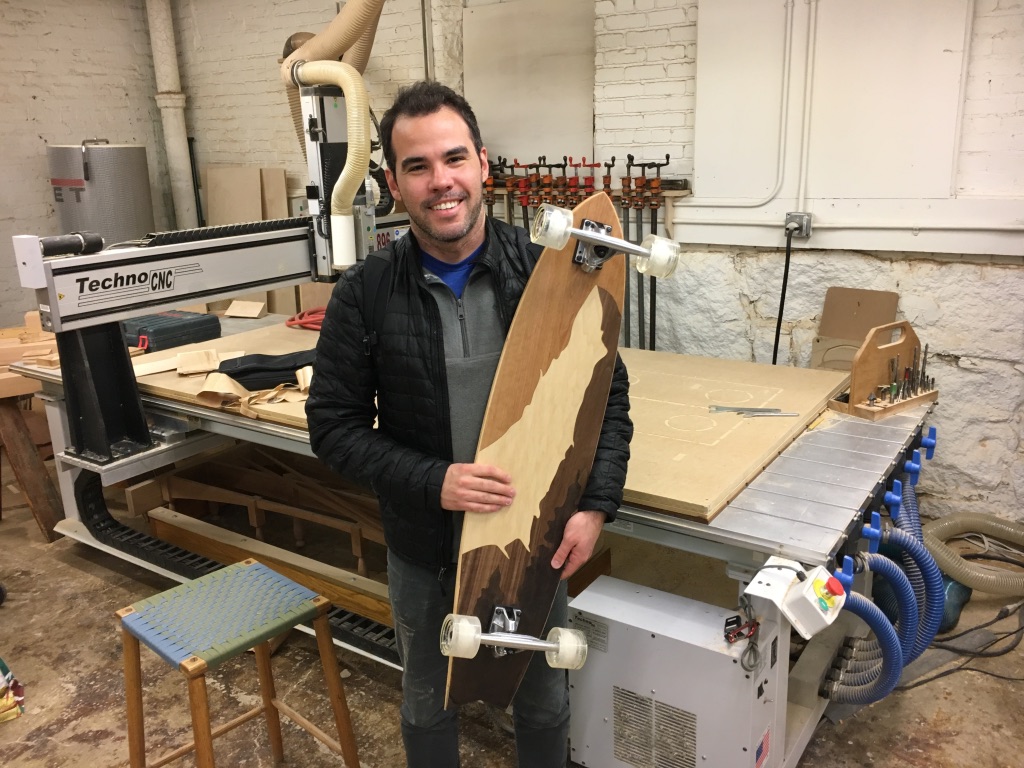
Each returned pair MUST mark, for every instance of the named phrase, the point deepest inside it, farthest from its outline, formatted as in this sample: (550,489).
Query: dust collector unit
(102,187)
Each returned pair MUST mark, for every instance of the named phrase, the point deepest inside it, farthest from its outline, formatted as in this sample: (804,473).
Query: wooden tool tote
(871,370)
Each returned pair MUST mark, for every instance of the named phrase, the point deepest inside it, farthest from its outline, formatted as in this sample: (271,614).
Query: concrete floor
(57,633)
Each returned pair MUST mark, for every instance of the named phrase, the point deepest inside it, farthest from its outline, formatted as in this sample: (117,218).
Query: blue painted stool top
(217,616)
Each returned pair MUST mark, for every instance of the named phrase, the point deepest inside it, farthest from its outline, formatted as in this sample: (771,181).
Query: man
(452,288)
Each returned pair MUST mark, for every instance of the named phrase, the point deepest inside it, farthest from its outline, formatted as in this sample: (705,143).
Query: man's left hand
(578,541)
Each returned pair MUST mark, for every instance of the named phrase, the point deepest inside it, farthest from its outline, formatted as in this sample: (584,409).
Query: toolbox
(170,329)
(877,369)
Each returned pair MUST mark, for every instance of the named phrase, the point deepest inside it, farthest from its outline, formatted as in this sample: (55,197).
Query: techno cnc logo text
(153,280)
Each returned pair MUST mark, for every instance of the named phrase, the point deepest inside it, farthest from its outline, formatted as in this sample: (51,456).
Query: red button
(834,586)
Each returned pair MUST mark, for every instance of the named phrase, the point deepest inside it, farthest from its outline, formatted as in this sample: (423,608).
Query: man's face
(439,176)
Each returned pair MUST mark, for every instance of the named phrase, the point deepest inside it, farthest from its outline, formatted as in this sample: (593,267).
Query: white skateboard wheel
(551,226)
(662,259)
(572,648)
(460,636)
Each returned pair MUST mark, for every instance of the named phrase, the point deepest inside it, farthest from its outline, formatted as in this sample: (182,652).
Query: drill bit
(913,373)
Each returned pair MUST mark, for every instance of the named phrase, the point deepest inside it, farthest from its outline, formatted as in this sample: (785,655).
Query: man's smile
(445,205)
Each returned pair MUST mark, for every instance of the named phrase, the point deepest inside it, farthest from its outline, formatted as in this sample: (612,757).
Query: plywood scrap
(144,496)
(247,309)
(199,361)
(15,351)
(13,384)
(147,365)
(847,316)
(47,361)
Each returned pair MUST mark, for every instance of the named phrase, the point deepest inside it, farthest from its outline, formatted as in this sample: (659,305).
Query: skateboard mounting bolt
(592,255)
(505,619)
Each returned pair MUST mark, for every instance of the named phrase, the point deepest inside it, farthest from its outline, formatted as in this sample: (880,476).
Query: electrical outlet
(803,224)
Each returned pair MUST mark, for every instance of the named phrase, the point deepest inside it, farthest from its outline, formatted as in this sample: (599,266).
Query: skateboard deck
(541,425)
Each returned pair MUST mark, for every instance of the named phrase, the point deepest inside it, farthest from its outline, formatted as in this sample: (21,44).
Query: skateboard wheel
(460,636)
(572,648)
(662,258)
(551,226)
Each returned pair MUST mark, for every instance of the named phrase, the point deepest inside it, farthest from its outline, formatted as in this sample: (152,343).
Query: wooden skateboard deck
(542,425)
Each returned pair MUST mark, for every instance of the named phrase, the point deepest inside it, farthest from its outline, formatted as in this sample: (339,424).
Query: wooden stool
(200,624)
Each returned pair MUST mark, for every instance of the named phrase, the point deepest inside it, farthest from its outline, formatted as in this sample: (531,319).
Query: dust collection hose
(892,657)
(1005,584)
(314,62)
(843,690)
(862,671)
(357,164)
(347,29)
(903,509)
(909,519)
(935,592)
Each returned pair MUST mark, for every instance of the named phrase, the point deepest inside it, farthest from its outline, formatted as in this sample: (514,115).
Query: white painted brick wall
(73,69)
(991,158)
(229,51)
(644,94)
(724,303)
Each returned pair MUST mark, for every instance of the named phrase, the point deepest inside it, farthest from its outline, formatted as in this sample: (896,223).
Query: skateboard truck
(553,226)
(505,619)
(461,637)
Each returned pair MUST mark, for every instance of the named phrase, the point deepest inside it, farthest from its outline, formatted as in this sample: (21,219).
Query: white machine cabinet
(662,688)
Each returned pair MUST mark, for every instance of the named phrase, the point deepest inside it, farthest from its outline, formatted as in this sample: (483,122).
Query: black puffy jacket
(404,460)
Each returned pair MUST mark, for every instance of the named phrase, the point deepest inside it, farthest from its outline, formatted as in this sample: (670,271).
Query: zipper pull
(461,308)
(440,579)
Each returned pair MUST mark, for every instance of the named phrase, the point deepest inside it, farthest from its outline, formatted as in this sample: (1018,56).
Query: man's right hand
(476,488)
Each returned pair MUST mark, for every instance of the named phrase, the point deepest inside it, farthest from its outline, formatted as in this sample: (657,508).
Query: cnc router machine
(661,687)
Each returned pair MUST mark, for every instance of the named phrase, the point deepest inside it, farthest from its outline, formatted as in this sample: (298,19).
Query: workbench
(804,496)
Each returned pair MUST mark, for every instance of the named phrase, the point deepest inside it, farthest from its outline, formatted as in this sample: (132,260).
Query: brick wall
(73,69)
(991,158)
(228,53)
(644,92)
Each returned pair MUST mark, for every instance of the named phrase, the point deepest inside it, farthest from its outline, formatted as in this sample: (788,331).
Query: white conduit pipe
(171,102)
(805,132)
(787,57)
(961,97)
(357,163)
(887,225)
(427,25)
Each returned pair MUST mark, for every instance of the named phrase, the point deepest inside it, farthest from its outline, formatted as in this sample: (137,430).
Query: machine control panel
(809,599)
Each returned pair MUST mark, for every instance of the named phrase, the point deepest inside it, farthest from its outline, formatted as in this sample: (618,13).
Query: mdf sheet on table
(688,461)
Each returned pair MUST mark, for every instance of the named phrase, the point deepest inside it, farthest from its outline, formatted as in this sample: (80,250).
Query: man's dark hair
(425,98)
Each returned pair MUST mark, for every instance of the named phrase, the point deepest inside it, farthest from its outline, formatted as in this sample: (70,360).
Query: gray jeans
(540,709)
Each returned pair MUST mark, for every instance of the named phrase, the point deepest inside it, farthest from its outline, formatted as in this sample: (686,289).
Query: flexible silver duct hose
(937,532)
